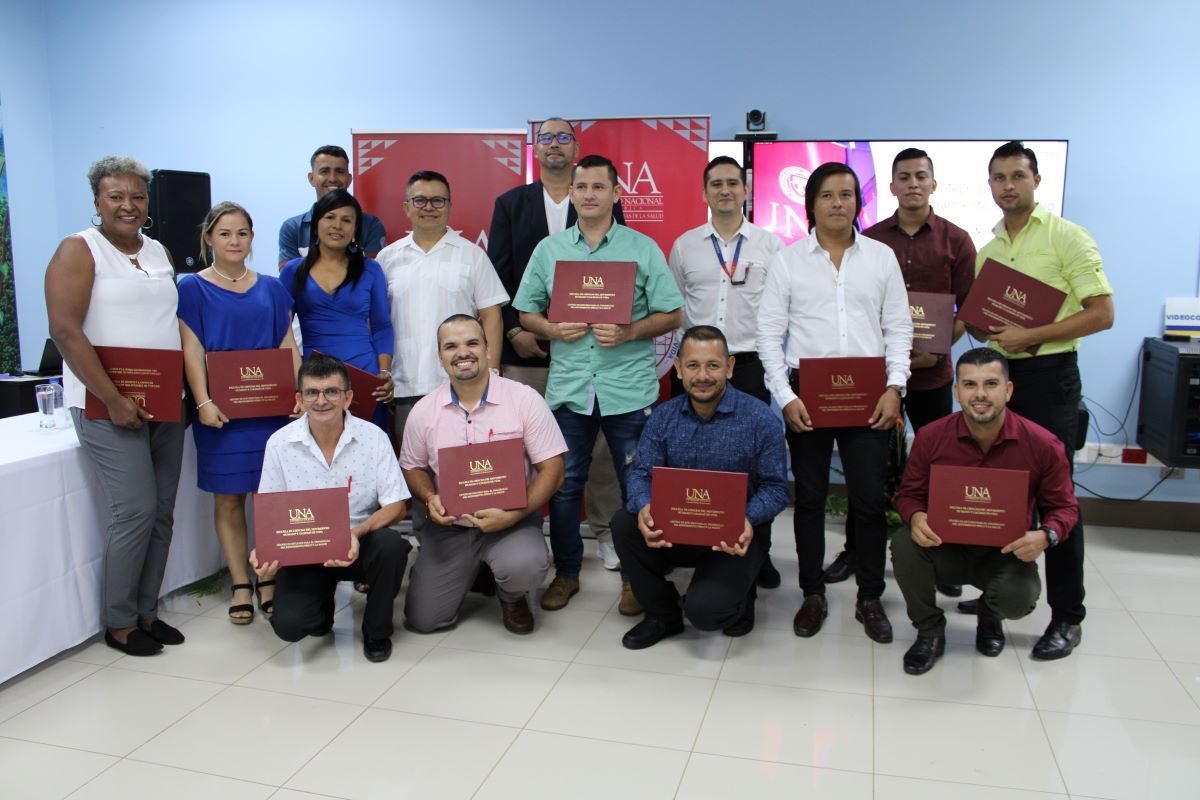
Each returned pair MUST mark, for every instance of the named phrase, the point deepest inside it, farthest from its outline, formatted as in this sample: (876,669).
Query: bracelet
(202,405)
(512,332)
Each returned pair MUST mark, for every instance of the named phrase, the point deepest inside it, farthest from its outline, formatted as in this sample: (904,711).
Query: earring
(148,224)
(353,248)
(96,220)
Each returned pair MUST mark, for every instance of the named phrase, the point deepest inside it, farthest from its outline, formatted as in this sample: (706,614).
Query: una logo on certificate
(593,281)
(841,381)
(300,515)
(1015,295)
(916,312)
(978,494)
(481,466)
(252,373)
(699,496)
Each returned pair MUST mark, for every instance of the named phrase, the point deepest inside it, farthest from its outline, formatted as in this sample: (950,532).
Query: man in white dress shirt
(329,448)
(433,273)
(836,294)
(720,268)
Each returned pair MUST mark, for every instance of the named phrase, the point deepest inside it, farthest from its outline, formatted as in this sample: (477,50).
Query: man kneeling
(712,426)
(983,434)
(476,407)
(328,448)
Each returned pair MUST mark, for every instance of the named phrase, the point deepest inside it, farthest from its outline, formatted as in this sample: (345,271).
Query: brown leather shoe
(628,605)
(811,616)
(559,592)
(516,615)
(875,622)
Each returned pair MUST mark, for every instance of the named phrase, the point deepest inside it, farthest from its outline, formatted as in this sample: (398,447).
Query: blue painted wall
(246,90)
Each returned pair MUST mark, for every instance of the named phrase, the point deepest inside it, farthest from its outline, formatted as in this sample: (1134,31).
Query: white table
(52,518)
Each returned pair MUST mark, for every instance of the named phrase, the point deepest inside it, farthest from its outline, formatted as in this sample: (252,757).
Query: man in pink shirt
(475,407)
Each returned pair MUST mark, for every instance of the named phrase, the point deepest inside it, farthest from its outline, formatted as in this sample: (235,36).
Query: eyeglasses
(547,138)
(420,201)
(333,394)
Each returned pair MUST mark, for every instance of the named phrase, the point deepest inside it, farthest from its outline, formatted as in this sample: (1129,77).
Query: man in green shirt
(602,377)
(1046,385)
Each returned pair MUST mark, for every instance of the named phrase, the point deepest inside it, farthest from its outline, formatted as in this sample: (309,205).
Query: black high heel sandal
(268,607)
(241,607)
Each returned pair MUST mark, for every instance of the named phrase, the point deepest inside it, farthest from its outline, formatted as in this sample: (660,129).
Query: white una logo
(697,495)
(630,183)
(978,493)
(480,465)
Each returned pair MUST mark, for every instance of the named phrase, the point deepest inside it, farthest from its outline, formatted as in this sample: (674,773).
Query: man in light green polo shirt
(602,377)
(1046,385)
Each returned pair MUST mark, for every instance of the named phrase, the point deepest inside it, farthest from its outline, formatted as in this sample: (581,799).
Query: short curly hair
(109,166)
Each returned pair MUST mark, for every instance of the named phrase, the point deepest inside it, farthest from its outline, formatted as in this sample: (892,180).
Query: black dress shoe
(924,653)
(650,631)
(842,567)
(874,619)
(768,577)
(811,616)
(1058,641)
(516,615)
(137,643)
(989,636)
(950,589)
(377,649)
(969,606)
(163,633)
(744,623)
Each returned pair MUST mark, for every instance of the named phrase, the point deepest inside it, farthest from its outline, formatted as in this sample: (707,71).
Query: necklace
(245,270)
(133,257)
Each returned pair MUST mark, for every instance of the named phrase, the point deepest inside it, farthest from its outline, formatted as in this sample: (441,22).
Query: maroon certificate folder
(697,506)
(933,321)
(593,291)
(473,477)
(151,378)
(978,505)
(841,392)
(303,527)
(363,384)
(252,383)
(1001,295)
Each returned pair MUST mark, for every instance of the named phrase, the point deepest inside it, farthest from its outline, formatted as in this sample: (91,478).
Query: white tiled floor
(567,712)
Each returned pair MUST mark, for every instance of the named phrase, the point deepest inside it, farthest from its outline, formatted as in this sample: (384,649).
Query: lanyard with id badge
(735,271)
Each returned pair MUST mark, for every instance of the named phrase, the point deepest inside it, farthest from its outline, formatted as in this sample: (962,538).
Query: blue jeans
(622,432)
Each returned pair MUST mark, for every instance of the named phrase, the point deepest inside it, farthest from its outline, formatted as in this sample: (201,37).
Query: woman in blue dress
(341,296)
(228,306)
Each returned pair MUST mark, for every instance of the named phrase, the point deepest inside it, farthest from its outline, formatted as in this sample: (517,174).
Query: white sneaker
(608,554)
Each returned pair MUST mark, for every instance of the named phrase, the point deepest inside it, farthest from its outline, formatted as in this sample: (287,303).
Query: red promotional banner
(480,165)
(660,165)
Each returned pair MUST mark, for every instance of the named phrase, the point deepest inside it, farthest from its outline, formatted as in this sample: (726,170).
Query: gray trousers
(1010,586)
(138,471)
(449,558)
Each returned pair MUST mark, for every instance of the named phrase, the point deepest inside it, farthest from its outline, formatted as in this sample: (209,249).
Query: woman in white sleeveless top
(110,285)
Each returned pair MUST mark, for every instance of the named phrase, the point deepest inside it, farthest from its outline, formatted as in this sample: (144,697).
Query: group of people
(464,352)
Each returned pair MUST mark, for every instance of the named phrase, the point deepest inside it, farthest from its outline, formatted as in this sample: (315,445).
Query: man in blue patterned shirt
(711,426)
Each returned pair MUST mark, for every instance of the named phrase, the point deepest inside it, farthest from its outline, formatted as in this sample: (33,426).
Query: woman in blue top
(341,296)
(227,306)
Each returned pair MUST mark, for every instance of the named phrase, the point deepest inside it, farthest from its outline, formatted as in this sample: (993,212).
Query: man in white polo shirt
(433,273)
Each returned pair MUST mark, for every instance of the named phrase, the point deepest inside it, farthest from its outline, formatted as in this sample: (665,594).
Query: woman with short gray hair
(111,285)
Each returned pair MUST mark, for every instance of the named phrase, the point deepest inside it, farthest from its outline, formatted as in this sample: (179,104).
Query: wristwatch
(1052,537)
(900,390)
(512,332)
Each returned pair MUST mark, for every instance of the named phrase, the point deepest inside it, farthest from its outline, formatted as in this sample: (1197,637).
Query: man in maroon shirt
(935,256)
(983,434)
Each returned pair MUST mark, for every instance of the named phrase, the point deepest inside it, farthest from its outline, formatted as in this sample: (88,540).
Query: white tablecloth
(52,541)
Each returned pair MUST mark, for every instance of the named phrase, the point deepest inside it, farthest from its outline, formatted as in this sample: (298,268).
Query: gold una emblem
(138,397)
(697,495)
(1015,295)
(300,515)
(251,373)
(593,281)
(917,312)
(977,493)
(842,381)
(480,465)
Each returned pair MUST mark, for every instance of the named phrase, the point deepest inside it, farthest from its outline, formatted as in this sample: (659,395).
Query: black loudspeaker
(178,202)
